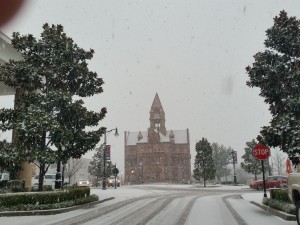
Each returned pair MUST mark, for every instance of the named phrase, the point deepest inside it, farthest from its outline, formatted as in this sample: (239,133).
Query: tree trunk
(41,177)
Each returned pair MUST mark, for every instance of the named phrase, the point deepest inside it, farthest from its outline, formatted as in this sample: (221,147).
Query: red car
(271,182)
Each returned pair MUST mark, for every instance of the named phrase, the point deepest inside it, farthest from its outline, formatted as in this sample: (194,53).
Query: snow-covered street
(165,204)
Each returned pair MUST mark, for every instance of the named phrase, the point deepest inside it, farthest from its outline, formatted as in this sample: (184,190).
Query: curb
(283,215)
(52,211)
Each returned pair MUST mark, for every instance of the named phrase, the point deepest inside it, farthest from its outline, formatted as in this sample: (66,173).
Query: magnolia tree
(276,73)
(49,124)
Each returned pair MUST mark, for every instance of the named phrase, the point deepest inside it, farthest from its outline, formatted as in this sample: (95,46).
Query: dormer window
(157,125)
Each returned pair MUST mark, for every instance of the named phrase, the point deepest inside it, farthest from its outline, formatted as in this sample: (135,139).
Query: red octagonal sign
(261,152)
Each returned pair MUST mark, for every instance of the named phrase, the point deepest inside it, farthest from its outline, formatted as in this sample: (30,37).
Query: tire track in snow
(234,213)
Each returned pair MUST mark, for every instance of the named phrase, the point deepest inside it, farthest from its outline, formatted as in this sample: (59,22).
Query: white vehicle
(4,177)
(49,179)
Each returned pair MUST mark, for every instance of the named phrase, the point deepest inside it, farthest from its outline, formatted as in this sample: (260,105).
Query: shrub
(48,188)
(280,194)
(280,205)
(91,198)
(43,198)
(59,205)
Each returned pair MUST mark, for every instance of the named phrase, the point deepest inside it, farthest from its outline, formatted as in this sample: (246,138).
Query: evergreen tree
(276,72)
(250,164)
(222,157)
(49,124)
(204,165)
(96,165)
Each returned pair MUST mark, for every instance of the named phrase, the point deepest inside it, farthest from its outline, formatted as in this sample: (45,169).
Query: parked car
(110,182)
(49,180)
(35,187)
(83,183)
(271,182)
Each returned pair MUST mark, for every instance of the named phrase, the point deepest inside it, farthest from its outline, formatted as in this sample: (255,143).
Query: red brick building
(157,155)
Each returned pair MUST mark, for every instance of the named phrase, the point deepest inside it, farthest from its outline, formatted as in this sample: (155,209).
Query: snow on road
(206,210)
(210,210)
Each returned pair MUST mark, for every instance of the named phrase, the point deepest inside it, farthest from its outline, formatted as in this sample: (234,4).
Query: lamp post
(234,160)
(104,155)
(131,177)
(142,167)
(58,176)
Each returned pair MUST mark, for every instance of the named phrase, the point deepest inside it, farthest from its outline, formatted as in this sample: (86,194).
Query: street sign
(261,152)
(115,171)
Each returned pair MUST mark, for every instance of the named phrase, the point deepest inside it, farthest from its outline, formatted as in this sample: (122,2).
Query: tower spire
(157,116)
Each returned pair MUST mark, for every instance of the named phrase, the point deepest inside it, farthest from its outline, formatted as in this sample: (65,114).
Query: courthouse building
(157,155)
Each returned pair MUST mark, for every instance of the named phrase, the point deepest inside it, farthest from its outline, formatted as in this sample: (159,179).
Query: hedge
(43,198)
(279,200)
(280,194)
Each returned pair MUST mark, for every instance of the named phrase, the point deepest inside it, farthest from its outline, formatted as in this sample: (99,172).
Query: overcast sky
(192,53)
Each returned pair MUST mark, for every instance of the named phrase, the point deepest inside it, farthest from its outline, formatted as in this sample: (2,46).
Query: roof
(133,138)
(156,102)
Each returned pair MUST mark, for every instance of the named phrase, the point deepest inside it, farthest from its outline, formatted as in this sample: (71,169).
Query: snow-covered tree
(276,71)
(204,165)
(49,124)
(96,165)
(250,164)
(72,167)
(222,157)
(242,175)
(9,160)
(278,160)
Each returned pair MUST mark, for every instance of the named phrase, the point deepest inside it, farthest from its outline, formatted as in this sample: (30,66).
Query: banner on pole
(107,152)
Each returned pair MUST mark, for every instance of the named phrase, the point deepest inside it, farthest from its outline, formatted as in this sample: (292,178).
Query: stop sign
(261,152)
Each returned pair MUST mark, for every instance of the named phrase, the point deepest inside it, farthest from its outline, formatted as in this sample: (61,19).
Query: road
(189,207)
(165,205)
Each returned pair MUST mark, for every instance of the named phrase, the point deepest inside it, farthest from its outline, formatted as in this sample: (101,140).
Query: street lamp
(58,176)
(142,167)
(131,177)
(104,155)
(234,160)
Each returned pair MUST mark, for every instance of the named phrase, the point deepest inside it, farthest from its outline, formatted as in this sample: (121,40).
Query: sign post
(261,152)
